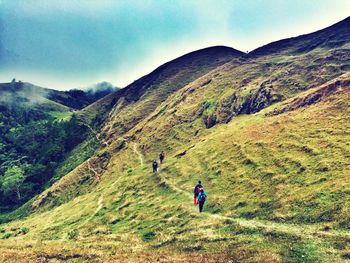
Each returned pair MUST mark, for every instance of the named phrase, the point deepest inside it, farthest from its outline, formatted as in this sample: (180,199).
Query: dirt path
(97,135)
(268,226)
(99,205)
(97,175)
(98,208)
(138,154)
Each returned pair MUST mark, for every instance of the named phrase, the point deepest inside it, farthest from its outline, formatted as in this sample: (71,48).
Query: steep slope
(154,88)
(269,138)
(333,36)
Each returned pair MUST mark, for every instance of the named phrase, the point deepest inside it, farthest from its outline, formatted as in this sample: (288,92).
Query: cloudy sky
(74,43)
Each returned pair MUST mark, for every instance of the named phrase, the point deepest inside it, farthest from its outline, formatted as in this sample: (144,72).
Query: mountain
(153,88)
(267,133)
(30,95)
(334,36)
(50,99)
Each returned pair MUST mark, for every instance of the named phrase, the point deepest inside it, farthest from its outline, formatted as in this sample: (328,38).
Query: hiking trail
(97,135)
(268,226)
(97,175)
(98,208)
(138,154)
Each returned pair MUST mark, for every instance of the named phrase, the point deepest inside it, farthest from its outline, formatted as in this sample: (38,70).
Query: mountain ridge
(333,36)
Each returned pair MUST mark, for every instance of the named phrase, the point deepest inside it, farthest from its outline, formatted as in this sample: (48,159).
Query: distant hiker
(201,199)
(196,192)
(155,166)
(161,157)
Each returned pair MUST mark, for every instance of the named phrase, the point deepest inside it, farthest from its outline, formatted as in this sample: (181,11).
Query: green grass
(276,184)
(61,116)
(78,155)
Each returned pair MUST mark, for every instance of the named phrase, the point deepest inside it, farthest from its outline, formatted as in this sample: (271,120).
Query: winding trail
(138,154)
(99,205)
(268,226)
(98,208)
(97,175)
(97,135)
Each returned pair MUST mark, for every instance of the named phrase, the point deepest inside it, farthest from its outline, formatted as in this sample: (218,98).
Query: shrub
(72,234)
(148,236)
(130,171)
(7,235)
(24,230)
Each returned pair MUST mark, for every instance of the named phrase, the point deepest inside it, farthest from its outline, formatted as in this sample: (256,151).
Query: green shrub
(72,234)
(130,171)
(7,235)
(148,236)
(209,104)
(24,230)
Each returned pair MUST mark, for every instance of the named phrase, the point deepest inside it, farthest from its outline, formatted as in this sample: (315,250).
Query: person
(201,199)
(161,157)
(155,166)
(196,192)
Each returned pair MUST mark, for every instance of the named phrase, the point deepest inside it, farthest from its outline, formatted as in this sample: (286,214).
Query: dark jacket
(195,191)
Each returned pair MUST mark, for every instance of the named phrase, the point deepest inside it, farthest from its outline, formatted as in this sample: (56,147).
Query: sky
(66,44)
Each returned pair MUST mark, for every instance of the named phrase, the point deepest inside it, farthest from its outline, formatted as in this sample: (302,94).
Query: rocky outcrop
(238,103)
(313,97)
(261,99)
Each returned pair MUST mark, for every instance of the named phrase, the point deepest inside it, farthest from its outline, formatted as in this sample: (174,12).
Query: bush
(209,104)
(148,236)
(130,171)
(7,235)
(72,234)
(24,230)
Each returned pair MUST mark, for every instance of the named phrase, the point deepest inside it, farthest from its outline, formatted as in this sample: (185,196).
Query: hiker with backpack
(161,157)
(196,192)
(155,166)
(201,199)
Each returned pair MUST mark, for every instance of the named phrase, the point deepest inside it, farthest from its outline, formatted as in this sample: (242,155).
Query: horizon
(67,44)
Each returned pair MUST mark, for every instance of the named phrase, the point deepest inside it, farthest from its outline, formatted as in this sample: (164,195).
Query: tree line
(32,145)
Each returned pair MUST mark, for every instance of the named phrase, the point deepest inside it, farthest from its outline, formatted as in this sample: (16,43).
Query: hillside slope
(49,99)
(141,97)
(268,136)
(333,36)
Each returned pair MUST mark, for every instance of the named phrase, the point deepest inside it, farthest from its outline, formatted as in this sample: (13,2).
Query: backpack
(202,197)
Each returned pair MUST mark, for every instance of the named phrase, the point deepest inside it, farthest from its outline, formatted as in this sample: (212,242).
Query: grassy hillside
(141,97)
(257,194)
(268,136)
(30,95)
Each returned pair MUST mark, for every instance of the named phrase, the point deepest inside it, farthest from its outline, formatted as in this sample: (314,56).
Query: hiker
(161,157)
(155,166)
(196,192)
(201,199)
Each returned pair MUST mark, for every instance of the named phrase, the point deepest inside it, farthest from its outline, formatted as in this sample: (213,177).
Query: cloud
(71,43)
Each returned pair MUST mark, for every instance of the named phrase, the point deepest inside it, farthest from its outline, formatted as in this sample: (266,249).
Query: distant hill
(50,99)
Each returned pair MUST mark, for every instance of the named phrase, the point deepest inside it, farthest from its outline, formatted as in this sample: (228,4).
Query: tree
(12,181)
